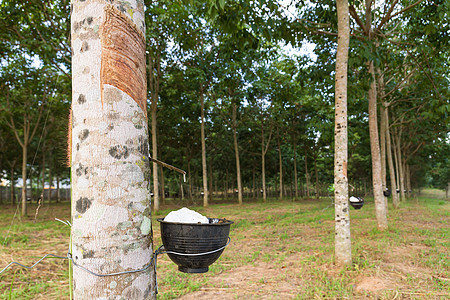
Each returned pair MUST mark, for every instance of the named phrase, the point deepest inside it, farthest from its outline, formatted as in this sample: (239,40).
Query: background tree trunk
(111,212)
(343,250)
(380,205)
(203,142)
(394,194)
(306,173)
(153,107)
(280,161)
(236,151)
(295,168)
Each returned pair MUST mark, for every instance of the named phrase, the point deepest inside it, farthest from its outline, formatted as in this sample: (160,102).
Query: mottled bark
(111,213)
(380,204)
(203,142)
(343,251)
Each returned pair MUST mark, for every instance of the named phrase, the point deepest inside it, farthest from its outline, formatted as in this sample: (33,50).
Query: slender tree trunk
(343,250)
(181,188)
(211,178)
(58,189)
(163,188)
(280,161)
(203,142)
(111,210)
(263,164)
(41,198)
(226,185)
(395,201)
(236,151)
(154,88)
(401,168)
(306,173)
(50,183)
(397,165)
(382,135)
(190,179)
(408,181)
(317,177)
(254,182)
(380,204)
(383,151)
(13,188)
(295,169)
(24,177)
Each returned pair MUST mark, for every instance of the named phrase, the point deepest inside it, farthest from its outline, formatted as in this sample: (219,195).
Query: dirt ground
(399,271)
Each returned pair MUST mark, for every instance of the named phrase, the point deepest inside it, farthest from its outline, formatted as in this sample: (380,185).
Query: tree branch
(405,9)
(388,15)
(355,17)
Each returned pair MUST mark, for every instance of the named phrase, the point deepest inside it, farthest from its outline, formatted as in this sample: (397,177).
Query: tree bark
(24,176)
(13,188)
(111,210)
(343,251)
(401,169)
(236,151)
(203,142)
(42,179)
(153,108)
(280,161)
(306,173)
(264,149)
(58,189)
(380,80)
(380,204)
(295,168)
(316,171)
(163,189)
(394,194)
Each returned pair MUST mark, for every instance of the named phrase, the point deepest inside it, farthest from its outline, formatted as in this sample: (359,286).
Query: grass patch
(278,250)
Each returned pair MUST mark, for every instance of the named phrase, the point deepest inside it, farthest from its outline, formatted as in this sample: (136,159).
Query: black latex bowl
(194,239)
(357,205)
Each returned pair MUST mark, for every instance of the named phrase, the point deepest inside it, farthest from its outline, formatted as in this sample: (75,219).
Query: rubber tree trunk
(380,80)
(316,172)
(306,173)
(154,75)
(163,188)
(380,204)
(236,151)
(401,170)
(211,178)
(13,188)
(203,142)
(343,250)
(263,162)
(24,176)
(294,141)
(280,162)
(58,189)
(42,179)
(390,160)
(111,212)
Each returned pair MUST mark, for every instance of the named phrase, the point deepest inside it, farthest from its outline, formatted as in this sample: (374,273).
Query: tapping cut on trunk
(123,56)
